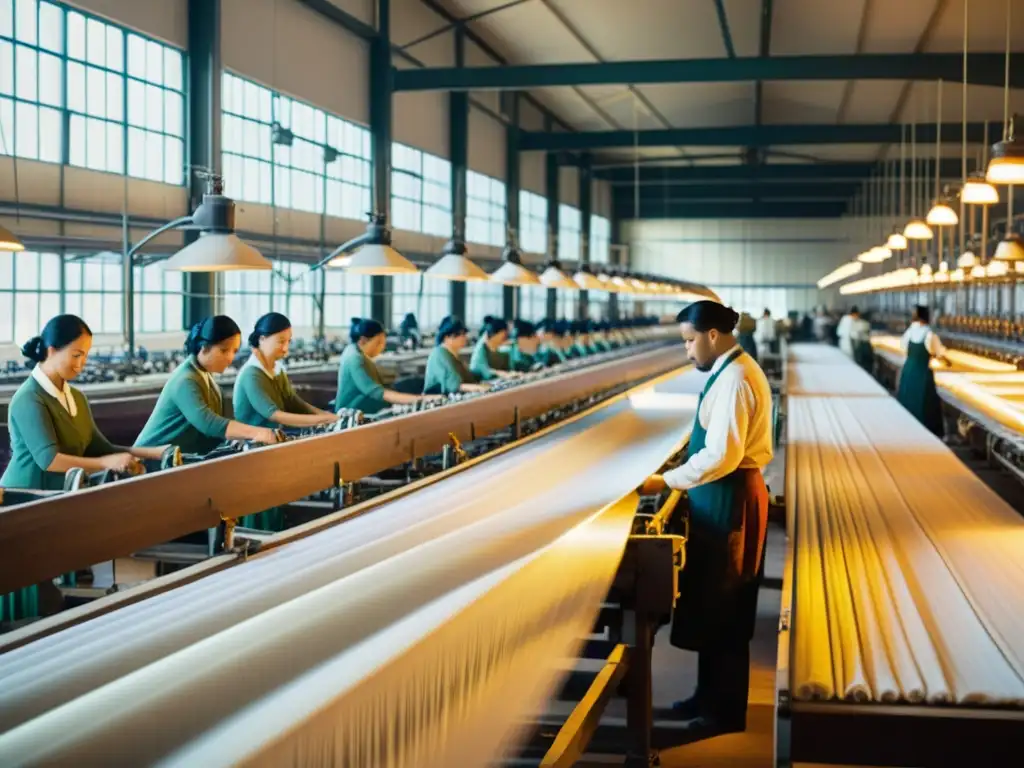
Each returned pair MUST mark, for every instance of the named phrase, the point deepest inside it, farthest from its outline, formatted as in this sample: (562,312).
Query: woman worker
(549,350)
(52,430)
(446,373)
(487,362)
(190,410)
(359,383)
(523,355)
(916,391)
(263,394)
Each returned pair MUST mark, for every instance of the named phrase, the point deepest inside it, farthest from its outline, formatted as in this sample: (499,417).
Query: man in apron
(730,443)
(916,391)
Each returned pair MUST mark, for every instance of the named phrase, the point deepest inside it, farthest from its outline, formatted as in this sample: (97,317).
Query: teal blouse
(257,397)
(519,360)
(484,361)
(189,413)
(40,428)
(359,383)
(445,372)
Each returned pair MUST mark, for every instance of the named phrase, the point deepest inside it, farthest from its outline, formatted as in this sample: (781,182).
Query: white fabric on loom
(250,632)
(908,578)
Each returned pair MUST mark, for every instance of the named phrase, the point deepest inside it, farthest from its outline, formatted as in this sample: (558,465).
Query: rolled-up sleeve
(188,396)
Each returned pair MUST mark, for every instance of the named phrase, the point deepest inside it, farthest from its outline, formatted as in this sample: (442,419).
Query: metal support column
(510,107)
(613,257)
(458,146)
(586,176)
(204,77)
(551,186)
(380,139)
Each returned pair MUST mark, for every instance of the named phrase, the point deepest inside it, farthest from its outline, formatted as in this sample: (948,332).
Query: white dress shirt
(843,332)
(737,416)
(921,333)
(63,396)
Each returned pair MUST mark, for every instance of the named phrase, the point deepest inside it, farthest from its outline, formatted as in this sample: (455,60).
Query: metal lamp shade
(917,230)
(941,215)
(217,252)
(979,192)
(1010,249)
(375,259)
(553,277)
(511,273)
(896,242)
(587,281)
(455,267)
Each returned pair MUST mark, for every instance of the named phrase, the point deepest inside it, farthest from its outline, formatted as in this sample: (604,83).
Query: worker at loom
(487,362)
(263,395)
(845,331)
(360,385)
(522,355)
(446,374)
(549,350)
(730,443)
(745,330)
(190,410)
(765,335)
(51,425)
(916,391)
(580,347)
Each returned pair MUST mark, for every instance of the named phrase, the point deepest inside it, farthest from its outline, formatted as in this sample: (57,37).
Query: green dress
(484,361)
(578,349)
(551,354)
(40,428)
(189,413)
(258,396)
(445,373)
(359,383)
(519,360)
(717,604)
(917,392)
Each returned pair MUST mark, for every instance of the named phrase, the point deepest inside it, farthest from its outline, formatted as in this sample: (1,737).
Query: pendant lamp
(454,265)
(8,241)
(512,271)
(977,191)
(896,242)
(554,277)
(1010,248)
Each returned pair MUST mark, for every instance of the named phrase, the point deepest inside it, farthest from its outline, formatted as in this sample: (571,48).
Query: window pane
(115,148)
(115,97)
(26,137)
(6,67)
(154,108)
(25,12)
(26,62)
(95,92)
(173,113)
(136,103)
(115,49)
(172,69)
(49,135)
(154,63)
(76,87)
(95,42)
(51,32)
(76,35)
(6,18)
(76,140)
(136,56)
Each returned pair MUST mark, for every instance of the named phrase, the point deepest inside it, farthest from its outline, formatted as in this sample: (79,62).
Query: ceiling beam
(723,24)
(743,136)
(343,19)
(734,210)
(769,172)
(835,189)
(983,69)
(764,50)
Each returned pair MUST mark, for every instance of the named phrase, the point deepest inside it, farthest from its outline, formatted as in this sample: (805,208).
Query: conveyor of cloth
(417,634)
(903,587)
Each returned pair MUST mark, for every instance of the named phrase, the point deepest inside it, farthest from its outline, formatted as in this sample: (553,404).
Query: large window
(348,296)
(29,293)
(568,233)
(485,210)
(533,222)
(281,151)
(119,95)
(159,299)
(425,297)
(421,192)
(600,239)
(482,298)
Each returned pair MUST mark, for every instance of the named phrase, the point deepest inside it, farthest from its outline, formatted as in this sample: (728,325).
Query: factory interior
(508,383)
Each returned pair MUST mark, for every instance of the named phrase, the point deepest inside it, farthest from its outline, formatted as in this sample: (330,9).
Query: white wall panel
(420,119)
(569,185)
(750,263)
(601,198)
(286,46)
(166,20)
(486,144)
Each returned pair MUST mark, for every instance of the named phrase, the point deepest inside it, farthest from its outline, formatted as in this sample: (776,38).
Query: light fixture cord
(1006,73)
(938,136)
(963,136)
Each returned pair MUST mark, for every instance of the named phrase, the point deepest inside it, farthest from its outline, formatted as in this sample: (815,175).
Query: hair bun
(34,349)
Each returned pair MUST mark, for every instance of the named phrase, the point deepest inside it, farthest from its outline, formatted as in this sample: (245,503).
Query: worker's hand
(433,398)
(329,418)
(124,463)
(653,485)
(265,436)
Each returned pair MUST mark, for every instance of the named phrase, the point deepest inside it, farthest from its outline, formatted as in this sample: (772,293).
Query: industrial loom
(421,627)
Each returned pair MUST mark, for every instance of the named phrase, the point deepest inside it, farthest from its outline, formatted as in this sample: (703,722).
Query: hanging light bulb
(1007,163)
(916,229)
(978,271)
(941,215)
(956,276)
(977,191)
(925,271)
(967,260)
(896,242)
(997,269)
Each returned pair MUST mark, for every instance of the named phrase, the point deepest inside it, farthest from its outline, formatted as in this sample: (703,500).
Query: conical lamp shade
(511,273)
(1010,249)
(978,271)
(217,252)
(941,215)
(588,282)
(967,260)
(896,242)
(926,270)
(917,230)
(553,277)
(455,266)
(8,242)
(977,191)
(373,259)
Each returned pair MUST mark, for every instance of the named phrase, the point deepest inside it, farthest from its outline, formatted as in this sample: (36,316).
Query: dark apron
(864,355)
(917,392)
(747,343)
(718,585)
